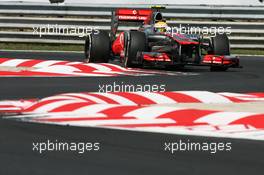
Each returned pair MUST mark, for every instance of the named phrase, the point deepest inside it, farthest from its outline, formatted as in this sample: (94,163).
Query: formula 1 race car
(152,45)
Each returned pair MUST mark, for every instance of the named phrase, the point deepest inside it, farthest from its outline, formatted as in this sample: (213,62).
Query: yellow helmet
(160,26)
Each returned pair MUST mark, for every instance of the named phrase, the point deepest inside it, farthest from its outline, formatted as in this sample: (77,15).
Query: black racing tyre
(220,45)
(135,42)
(97,48)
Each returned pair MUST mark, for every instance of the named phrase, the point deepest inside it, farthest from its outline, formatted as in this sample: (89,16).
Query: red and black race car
(147,47)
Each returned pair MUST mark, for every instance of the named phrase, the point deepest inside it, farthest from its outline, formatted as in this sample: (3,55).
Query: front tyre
(220,46)
(135,42)
(97,48)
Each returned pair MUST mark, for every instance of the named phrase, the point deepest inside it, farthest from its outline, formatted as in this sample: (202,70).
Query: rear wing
(141,15)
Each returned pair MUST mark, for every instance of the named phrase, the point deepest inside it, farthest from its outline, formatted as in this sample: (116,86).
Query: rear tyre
(97,48)
(135,42)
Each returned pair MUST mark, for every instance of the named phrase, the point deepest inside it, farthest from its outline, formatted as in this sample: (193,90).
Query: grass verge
(36,46)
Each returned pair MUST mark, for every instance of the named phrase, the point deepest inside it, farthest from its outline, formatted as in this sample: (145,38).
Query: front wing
(206,60)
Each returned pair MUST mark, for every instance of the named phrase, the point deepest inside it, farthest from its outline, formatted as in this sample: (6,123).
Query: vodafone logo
(134,12)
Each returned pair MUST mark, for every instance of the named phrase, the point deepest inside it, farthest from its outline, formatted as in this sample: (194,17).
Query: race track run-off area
(58,97)
(55,68)
(151,112)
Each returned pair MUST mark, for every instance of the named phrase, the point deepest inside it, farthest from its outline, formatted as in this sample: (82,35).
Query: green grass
(50,47)
(72,47)
(247,51)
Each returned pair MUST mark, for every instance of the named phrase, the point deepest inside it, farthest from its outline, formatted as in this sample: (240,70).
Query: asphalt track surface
(124,152)
(248,79)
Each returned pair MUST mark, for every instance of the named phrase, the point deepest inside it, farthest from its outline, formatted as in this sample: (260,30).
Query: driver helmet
(160,27)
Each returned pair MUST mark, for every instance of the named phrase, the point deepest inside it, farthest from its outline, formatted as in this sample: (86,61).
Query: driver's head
(160,27)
